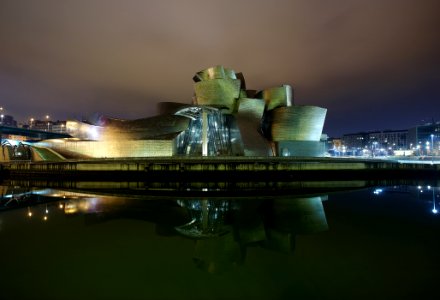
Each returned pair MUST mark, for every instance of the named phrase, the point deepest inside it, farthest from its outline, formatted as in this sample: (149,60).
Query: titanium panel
(295,123)
(115,129)
(252,108)
(248,120)
(73,148)
(277,96)
(219,93)
(217,72)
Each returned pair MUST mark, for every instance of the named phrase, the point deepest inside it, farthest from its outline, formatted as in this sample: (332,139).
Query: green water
(346,245)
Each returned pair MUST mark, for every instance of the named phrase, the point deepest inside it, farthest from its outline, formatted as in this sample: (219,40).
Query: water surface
(360,244)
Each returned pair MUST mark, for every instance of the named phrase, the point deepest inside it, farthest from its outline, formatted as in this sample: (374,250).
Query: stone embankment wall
(221,168)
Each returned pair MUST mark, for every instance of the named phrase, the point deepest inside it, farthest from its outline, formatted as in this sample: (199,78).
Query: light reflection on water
(379,241)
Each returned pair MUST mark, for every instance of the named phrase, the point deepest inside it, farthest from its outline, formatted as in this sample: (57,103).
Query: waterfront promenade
(221,168)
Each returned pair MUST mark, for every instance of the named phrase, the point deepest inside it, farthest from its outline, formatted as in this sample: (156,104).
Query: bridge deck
(39,134)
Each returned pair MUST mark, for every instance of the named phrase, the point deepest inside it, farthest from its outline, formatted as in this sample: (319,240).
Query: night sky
(374,64)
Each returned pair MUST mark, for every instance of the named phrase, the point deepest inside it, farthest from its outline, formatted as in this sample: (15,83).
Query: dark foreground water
(363,244)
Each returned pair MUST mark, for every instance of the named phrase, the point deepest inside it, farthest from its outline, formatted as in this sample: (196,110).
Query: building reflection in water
(222,228)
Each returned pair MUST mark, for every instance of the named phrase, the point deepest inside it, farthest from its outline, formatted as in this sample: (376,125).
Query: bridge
(36,134)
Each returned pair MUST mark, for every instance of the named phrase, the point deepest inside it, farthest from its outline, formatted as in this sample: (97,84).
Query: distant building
(357,140)
(46,125)
(58,127)
(375,142)
(8,120)
(390,139)
(421,141)
(42,125)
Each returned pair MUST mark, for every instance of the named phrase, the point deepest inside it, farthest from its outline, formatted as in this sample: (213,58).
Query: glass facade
(217,130)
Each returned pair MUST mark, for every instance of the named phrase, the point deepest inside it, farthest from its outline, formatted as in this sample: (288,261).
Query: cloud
(64,55)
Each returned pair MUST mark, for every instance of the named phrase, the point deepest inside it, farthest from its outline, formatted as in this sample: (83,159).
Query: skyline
(373,64)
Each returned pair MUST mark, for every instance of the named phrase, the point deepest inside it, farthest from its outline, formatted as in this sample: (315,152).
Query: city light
(48,123)
(434,209)
(378,191)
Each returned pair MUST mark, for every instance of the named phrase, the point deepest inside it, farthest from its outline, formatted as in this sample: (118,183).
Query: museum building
(224,119)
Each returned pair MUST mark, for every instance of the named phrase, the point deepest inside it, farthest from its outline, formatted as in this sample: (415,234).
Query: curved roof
(146,128)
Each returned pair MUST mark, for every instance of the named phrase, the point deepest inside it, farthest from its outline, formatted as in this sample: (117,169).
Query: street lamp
(48,123)
(432,145)
(2,116)
(31,121)
(374,149)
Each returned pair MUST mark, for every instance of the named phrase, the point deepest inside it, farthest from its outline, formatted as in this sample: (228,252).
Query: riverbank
(207,169)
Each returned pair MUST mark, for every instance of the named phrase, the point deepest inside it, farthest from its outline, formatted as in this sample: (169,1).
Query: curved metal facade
(222,93)
(277,96)
(249,118)
(217,72)
(295,123)
(113,129)
(217,87)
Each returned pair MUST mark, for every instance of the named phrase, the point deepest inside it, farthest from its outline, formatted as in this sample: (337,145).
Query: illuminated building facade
(384,142)
(425,139)
(224,119)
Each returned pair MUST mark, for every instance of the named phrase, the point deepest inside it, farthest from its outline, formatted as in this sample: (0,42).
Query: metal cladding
(112,129)
(74,148)
(296,123)
(277,97)
(217,72)
(252,108)
(217,87)
(249,117)
(224,119)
